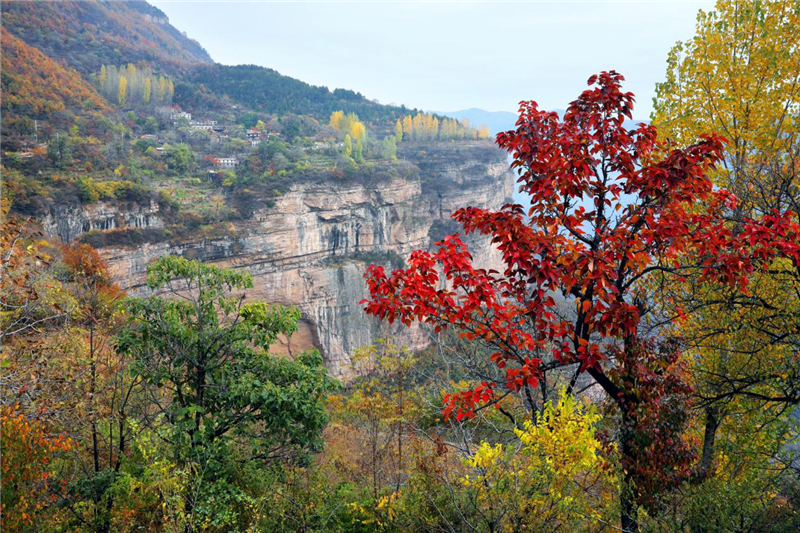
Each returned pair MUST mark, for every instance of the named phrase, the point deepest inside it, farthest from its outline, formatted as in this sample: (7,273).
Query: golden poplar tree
(336,119)
(408,128)
(418,124)
(347,149)
(122,90)
(146,93)
(740,77)
(358,131)
(162,88)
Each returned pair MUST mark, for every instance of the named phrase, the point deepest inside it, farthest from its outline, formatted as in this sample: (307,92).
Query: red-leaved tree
(614,214)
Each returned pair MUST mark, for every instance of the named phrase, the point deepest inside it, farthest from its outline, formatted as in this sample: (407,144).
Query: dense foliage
(34,85)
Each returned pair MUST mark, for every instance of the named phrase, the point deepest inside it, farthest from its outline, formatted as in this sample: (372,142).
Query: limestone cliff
(312,247)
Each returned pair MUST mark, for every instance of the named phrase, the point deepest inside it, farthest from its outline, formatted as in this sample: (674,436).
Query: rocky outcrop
(312,247)
(69,222)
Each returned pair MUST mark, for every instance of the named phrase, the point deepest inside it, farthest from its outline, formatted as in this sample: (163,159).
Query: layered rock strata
(312,247)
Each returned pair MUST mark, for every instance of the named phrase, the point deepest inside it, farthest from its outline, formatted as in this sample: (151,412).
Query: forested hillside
(35,85)
(263,88)
(87,34)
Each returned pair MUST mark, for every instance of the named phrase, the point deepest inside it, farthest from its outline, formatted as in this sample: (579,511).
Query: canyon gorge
(311,248)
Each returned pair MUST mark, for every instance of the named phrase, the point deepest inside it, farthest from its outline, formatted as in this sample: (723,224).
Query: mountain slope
(34,85)
(269,91)
(88,33)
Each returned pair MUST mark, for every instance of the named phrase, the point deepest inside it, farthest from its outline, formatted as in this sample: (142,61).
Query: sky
(446,56)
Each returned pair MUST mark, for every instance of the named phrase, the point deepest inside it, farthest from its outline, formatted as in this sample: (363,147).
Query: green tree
(180,158)
(389,148)
(150,125)
(249,119)
(347,149)
(267,150)
(59,151)
(358,153)
(229,404)
(292,129)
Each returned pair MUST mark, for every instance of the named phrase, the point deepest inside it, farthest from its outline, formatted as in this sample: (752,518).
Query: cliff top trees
(610,219)
(348,125)
(425,127)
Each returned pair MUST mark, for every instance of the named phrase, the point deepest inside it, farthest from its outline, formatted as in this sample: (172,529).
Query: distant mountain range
(498,121)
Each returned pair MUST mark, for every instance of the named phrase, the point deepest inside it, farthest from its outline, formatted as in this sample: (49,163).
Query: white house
(180,115)
(226,162)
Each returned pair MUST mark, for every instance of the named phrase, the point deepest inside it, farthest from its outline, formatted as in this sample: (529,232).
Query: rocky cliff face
(68,223)
(312,248)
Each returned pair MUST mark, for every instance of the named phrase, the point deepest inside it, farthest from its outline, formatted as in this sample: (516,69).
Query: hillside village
(210,166)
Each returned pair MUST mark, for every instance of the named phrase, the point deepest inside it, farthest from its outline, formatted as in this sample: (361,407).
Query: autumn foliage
(613,213)
(27,467)
(35,84)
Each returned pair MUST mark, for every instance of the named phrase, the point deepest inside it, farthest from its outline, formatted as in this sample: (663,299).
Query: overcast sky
(446,56)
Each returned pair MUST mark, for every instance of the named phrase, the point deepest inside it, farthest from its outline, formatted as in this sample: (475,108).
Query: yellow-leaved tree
(740,77)
(122,90)
(336,119)
(554,478)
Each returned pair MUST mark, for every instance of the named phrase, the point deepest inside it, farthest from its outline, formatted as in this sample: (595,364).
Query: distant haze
(447,56)
(498,121)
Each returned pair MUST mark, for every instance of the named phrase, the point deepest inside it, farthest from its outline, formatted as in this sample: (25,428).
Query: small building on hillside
(177,116)
(226,162)
(254,135)
(207,125)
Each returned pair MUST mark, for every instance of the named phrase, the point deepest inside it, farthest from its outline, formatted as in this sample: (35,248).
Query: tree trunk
(712,423)
(627,493)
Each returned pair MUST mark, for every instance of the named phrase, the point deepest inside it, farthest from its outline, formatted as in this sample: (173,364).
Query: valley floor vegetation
(634,365)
